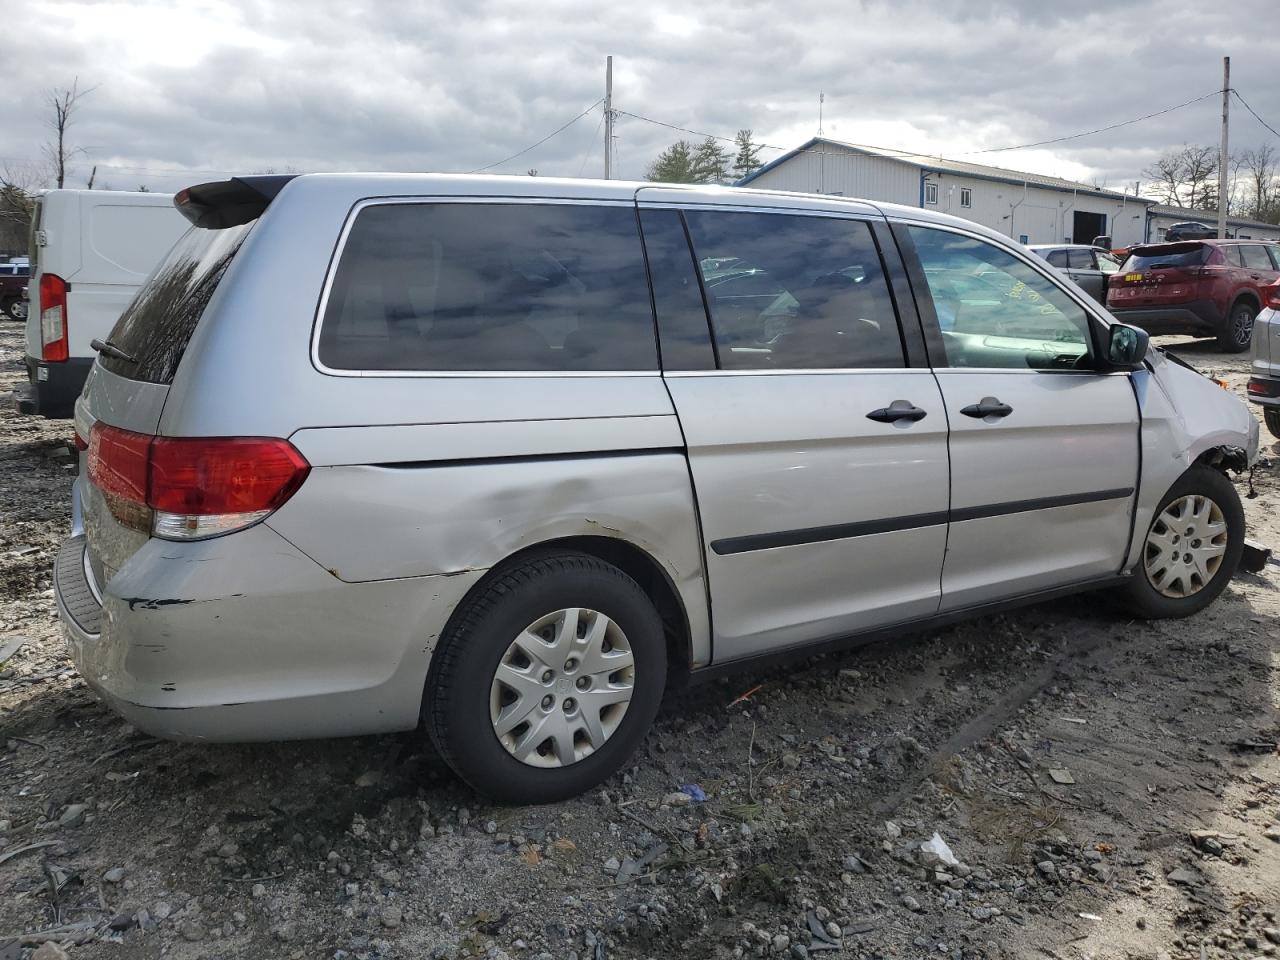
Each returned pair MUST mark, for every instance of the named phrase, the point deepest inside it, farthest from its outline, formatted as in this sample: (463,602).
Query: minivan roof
(256,193)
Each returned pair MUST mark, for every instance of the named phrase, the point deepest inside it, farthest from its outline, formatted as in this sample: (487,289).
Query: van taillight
(53,317)
(190,488)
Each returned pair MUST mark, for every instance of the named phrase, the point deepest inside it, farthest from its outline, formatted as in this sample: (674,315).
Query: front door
(818,457)
(1044,450)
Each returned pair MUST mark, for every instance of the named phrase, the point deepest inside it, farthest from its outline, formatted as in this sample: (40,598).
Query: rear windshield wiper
(111,350)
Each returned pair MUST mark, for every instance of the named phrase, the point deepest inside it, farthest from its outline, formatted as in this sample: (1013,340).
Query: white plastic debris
(935,850)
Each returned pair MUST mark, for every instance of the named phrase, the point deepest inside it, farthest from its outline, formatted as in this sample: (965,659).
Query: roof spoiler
(229,203)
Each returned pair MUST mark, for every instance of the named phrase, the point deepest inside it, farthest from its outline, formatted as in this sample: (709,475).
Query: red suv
(1198,287)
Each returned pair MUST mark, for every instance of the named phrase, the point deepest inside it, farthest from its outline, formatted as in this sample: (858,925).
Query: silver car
(507,456)
(1264,383)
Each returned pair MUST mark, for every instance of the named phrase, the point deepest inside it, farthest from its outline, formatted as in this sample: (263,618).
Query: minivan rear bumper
(52,388)
(244,638)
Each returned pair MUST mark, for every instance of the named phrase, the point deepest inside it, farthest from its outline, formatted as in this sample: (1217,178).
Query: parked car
(1201,287)
(1190,230)
(1264,383)
(90,250)
(374,448)
(13,286)
(1088,266)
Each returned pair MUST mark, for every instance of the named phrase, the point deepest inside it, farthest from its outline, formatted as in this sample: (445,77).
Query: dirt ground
(820,787)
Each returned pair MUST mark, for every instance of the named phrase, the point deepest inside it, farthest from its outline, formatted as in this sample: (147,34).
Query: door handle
(989,407)
(898,410)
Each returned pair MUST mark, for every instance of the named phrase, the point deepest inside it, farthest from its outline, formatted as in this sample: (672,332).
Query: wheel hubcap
(562,688)
(1243,325)
(1185,546)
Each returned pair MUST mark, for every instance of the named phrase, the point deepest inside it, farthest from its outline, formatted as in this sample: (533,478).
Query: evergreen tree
(674,164)
(748,158)
(710,162)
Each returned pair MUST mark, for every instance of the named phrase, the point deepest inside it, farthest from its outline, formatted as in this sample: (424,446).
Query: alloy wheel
(1242,325)
(1185,546)
(562,688)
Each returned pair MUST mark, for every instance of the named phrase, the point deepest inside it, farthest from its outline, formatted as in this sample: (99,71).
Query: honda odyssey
(503,457)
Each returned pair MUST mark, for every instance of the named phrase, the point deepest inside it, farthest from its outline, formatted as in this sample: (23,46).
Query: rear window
(156,327)
(490,287)
(1174,255)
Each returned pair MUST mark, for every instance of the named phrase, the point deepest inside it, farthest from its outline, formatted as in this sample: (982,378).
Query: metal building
(1028,207)
(1160,218)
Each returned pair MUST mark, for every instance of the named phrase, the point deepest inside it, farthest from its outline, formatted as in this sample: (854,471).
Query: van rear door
(122,238)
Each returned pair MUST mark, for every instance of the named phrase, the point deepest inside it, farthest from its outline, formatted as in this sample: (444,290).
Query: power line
(586,152)
(540,142)
(890,151)
(1255,115)
(1089,133)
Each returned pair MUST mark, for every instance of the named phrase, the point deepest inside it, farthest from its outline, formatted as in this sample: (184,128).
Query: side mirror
(1126,346)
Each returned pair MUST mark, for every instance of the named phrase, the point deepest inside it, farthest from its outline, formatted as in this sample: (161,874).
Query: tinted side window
(1080,259)
(794,292)
(490,286)
(683,335)
(1057,258)
(1256,258)
(995,310)
(156,327)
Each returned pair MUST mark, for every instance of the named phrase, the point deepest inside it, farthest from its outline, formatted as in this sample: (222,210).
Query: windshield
(157,326)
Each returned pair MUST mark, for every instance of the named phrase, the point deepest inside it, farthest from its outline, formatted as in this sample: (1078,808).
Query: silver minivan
(505,457)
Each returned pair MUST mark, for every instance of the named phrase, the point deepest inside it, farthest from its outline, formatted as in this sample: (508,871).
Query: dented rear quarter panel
(444,499)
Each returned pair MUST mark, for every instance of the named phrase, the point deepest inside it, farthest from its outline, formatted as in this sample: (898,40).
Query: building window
(931,193)
(966,197)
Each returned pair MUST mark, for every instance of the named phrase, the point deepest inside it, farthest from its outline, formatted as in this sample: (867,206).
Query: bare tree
(1186,177)
(1262,170)
(1166,179)
(18,183)
(62,101)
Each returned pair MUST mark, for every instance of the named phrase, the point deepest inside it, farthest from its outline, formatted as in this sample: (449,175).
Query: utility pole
(608,118)
(1223,186)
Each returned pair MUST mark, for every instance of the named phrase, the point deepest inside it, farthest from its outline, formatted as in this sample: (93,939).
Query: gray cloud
(455,85)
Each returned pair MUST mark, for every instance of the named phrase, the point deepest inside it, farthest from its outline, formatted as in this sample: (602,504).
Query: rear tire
(1272,417)
(16,310)
(550,723)
(1237,329)
(1186,524)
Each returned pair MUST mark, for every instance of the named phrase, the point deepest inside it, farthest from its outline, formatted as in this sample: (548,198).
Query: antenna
(821,97)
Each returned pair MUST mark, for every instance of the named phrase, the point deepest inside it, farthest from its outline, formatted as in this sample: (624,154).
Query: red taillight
(216,476)
(1271,296)
(81,442)
(53,317)
(196,486)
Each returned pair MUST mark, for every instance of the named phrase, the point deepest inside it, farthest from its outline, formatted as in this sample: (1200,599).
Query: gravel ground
(1104,788)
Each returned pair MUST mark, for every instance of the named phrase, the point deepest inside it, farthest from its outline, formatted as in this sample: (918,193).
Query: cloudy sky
(191,90)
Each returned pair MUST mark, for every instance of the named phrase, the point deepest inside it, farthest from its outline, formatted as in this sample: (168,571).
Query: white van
(90,251)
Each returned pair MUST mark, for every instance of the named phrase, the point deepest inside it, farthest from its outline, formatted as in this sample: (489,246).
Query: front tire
(1237,331)
(1272,417)
(547,679)
(16,310)
(1191,549)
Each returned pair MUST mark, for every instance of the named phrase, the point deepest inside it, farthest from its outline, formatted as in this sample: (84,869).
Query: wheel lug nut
(583,683)
(547,676)
(571,664)
(548,701)
(569,704)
